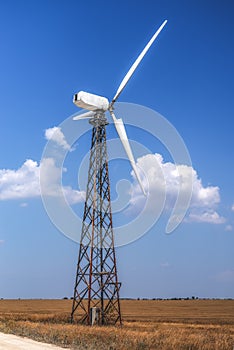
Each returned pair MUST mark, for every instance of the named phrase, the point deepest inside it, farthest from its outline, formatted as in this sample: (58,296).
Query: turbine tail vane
(119,125)
(136,63)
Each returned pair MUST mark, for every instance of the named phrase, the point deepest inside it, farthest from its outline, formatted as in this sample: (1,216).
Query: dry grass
(161,325)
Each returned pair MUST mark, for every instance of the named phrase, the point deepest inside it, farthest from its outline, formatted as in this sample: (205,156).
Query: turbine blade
(85,115)
(119,125)
(136,63)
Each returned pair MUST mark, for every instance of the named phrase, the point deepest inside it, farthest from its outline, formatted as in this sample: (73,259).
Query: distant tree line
(174,298)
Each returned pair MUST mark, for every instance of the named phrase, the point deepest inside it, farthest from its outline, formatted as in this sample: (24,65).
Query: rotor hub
(99,119)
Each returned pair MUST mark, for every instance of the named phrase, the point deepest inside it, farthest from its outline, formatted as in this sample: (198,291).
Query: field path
(12,342)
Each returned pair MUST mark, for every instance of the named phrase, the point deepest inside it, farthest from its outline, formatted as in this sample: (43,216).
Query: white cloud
(51,186)
(55,134)
(73,196)
(164,179)
(24,182)
(211,217)
(2,241)
(23,205)
(228,228)
(232,207)
(20,183)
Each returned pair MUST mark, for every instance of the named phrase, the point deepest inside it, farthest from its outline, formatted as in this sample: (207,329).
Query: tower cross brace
(96,291)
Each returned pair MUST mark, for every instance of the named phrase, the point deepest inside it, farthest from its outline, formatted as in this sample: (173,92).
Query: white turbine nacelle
(90,101)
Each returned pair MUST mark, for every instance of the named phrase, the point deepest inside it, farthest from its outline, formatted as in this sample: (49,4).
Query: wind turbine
(96,292)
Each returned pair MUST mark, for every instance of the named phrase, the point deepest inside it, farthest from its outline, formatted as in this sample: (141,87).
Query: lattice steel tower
(96,291)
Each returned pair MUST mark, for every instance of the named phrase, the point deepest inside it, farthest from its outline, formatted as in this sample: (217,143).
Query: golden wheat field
(147,324)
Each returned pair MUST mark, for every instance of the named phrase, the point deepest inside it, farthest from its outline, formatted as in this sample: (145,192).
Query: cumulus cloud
(20,183)
(56,135)
(24,183)
(207,216)
(50,177)
(165,179)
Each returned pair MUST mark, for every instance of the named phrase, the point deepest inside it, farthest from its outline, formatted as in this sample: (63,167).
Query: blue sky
(52,49)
